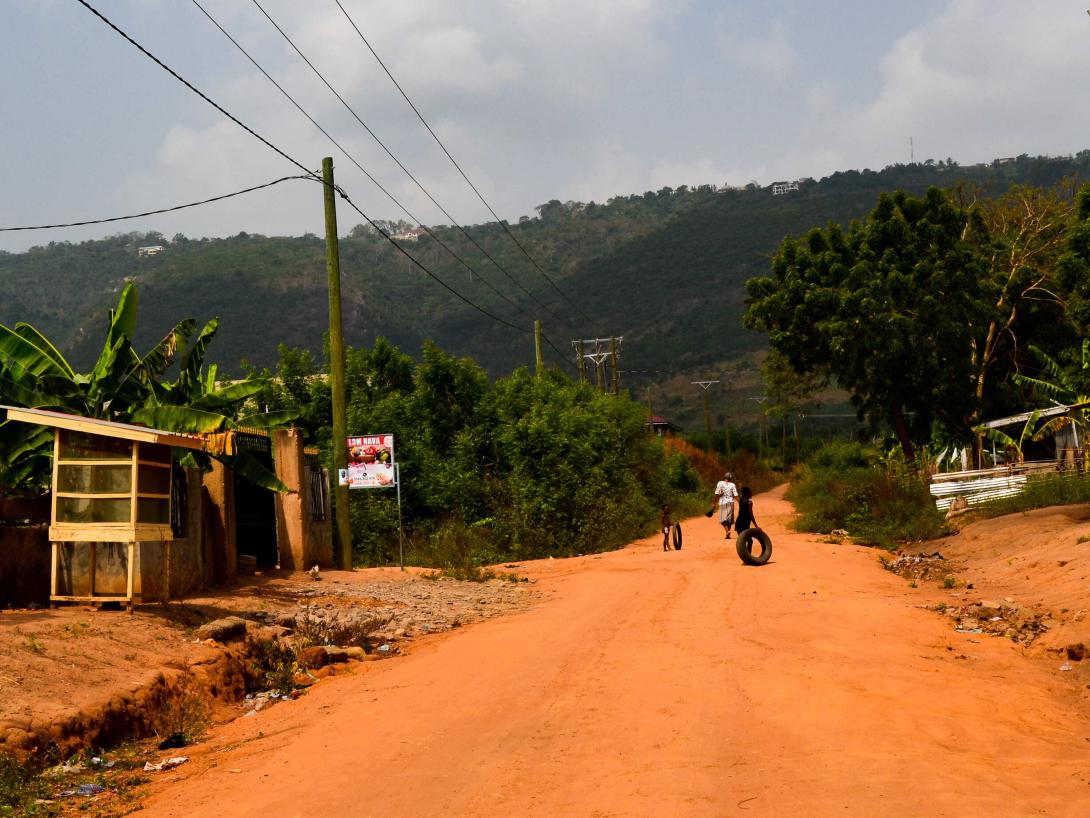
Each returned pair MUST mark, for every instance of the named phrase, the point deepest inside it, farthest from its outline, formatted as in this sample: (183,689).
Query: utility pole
(336,364)
(707,414)
(539,362)
(599,356)
(613,354)
(761,434)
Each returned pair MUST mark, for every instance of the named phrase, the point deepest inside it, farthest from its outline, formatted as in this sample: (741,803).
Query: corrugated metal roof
(1047,412)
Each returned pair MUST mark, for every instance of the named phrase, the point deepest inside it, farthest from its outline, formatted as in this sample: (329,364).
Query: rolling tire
(677,536)
(744,545)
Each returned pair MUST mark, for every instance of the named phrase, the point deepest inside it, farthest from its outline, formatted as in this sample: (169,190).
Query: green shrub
(839,454)
(681,476)
(874,507)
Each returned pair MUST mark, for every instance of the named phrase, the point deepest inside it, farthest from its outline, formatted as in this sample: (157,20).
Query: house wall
(304,540)
(220,543)
(24,565)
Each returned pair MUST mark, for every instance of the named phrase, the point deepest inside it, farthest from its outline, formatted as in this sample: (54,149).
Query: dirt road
(672,684)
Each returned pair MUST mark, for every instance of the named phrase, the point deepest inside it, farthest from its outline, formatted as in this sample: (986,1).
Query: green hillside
(664,269)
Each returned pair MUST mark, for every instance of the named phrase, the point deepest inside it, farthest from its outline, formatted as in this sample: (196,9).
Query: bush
(839,454)
(681,476)
(874,507)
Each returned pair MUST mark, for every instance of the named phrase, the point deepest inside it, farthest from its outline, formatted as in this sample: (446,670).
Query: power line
(352,159)
(401,165)
(298,164)
(195,90)
(161,210)
(454,162)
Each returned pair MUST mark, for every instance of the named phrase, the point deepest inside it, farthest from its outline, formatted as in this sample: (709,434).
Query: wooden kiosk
(111,488)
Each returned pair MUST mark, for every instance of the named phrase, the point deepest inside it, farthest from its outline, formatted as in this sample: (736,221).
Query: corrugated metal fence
(981,485)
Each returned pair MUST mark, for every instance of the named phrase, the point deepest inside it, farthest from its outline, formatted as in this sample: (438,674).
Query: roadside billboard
(371,462)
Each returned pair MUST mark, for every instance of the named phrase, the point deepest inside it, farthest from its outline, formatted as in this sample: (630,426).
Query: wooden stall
(111,492)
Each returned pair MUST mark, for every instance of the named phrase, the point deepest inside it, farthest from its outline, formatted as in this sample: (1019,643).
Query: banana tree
(122,386)
(1064,389)
(1033,429)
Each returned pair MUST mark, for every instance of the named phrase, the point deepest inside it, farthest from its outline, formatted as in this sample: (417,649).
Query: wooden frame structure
(111,484)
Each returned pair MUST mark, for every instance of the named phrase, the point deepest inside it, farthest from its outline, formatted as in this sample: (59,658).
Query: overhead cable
(195,90)
(298,164)
(353,160)
(454,162)
(401,165)
(161,210)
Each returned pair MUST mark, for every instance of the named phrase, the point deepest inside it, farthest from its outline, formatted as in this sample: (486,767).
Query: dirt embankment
(77,678)
(1024,578)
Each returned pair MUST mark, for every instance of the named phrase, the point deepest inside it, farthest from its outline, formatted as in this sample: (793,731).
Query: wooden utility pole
(582,362)
(707,414)
(539,361)
(616,374)
(336,366)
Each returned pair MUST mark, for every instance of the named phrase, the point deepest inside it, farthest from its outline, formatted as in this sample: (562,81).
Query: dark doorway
(255,507)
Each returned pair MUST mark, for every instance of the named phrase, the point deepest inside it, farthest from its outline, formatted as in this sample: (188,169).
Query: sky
(536,99)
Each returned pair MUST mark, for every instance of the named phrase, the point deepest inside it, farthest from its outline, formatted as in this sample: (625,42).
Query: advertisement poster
(371,462)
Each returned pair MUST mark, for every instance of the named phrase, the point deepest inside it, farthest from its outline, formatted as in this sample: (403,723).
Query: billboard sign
(371,462)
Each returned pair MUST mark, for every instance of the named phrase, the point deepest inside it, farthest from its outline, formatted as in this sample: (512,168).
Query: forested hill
(664,269)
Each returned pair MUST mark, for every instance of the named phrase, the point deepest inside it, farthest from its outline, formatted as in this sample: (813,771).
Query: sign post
(371,465)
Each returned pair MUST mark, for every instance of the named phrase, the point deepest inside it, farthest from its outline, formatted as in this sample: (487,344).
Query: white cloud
(977,81)
(770,53)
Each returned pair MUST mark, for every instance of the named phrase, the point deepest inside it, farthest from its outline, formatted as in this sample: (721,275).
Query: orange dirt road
(672,684)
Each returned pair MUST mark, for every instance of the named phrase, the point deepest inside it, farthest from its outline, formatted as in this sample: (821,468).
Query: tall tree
(887,308)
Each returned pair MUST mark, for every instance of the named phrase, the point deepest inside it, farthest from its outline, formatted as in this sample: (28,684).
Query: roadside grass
(187,715)
(21,787)
(42,787)
(1040,492)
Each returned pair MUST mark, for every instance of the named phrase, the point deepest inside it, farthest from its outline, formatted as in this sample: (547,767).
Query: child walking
(745,518)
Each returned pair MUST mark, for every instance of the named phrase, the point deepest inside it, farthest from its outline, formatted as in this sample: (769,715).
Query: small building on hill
(662,427)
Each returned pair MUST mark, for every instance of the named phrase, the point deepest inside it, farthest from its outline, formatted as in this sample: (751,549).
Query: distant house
(412,234)
(1006,160)
(149,250)
(662,427)
(782,188)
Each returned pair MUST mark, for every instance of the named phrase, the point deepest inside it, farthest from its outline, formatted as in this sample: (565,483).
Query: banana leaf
(31,334)
(152,366)
(253,470)
(189,379)
(123,319)
(180,419)
(267,420)
(27,354)
(19,439)
(229,395)
(16,393)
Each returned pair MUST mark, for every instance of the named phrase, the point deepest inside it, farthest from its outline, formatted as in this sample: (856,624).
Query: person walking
(725,494)
(745,518)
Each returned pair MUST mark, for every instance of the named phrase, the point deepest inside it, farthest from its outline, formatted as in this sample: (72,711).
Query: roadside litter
(84,789)
(169,764)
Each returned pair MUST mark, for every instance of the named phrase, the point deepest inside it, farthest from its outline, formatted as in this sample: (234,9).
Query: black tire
(744,545)
(677,536)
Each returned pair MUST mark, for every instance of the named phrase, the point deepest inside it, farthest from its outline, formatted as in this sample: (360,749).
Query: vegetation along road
(682,683)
